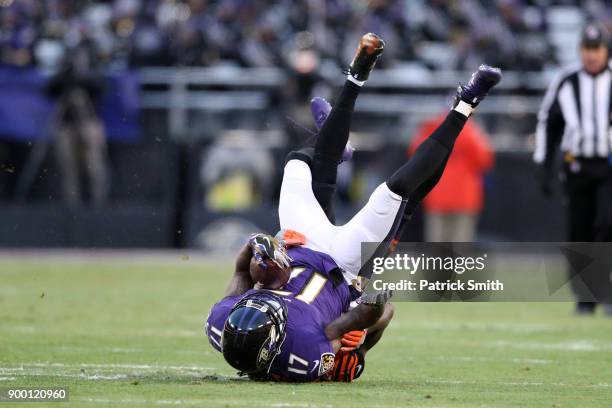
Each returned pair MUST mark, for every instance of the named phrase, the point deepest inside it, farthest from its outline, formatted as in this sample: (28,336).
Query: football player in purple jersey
(299,325)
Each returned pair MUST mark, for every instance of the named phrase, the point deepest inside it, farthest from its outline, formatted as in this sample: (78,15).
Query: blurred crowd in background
(111,103)
(513,34)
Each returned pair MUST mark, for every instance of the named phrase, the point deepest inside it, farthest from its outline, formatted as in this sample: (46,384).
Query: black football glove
(348,366)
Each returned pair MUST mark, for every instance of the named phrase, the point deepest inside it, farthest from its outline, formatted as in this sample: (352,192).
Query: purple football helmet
(254,332)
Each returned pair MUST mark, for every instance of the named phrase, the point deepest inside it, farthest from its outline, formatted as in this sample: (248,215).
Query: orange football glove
(352,340)
(348,366)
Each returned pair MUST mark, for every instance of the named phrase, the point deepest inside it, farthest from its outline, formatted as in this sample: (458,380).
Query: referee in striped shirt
(575,119)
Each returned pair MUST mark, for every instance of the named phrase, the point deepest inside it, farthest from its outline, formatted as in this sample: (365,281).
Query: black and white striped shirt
(575,113)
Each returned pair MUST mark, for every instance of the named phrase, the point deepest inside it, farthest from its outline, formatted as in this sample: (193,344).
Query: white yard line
(97,372)
(133,366)
(109,401)
(570,345)
(95,377)
(83,376)
(39,367)
(520,384)
(200,402)
(474,325)
(140,401)
(29,329)
(498,360)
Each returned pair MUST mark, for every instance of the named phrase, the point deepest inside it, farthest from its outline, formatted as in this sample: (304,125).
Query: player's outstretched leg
(377,218)
(334,131)
(421,173)
(333,136)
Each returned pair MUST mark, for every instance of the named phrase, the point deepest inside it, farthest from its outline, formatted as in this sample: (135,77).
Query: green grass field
(128,332)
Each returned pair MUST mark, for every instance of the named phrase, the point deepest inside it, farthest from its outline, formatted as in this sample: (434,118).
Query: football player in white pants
(320,261)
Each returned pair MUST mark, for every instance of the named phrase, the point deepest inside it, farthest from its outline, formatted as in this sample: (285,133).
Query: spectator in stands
(17,35)
(255,33)
(389,19)
(453,206)
(148,42)
(505,33)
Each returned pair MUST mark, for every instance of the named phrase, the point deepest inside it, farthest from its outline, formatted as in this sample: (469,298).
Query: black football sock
(449,130)
(324,193)
(334,135)
(426,166)
(305,154)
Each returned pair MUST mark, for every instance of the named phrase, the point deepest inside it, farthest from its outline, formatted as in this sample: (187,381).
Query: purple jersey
(314,297)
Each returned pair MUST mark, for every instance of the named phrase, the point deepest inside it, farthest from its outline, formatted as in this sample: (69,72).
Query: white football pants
(299,210)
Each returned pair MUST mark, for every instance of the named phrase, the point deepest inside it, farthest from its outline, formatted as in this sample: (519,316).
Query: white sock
(464,108)
(353,80)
